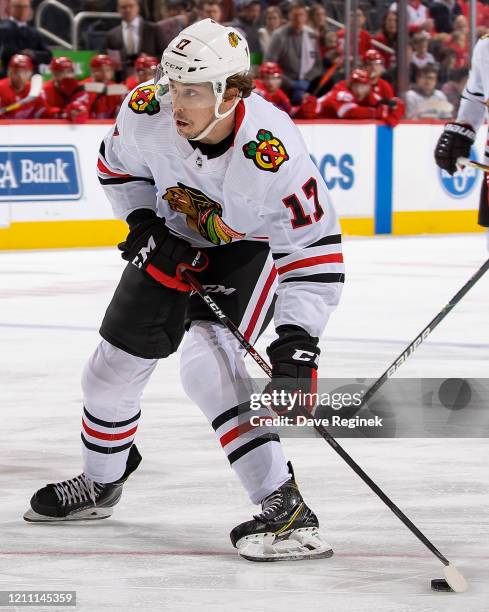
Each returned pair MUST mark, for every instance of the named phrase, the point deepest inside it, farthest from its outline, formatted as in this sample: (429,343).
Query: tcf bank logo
(30,173)
(337,171)
(462,182)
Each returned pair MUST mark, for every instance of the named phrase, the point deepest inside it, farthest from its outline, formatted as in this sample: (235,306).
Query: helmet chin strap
(218,117)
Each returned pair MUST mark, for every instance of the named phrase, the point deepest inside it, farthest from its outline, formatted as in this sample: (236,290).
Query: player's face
(19,77)
(59,75)
(360,90)
(272,83)
(375,69)
(145,74)
(102,74)
(193,107)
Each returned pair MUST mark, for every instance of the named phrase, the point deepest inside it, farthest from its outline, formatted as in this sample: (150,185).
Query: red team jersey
(32,110)
(278,98)
(102,106)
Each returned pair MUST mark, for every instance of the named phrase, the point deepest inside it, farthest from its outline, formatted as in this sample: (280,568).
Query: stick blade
(455,579)
(36,86)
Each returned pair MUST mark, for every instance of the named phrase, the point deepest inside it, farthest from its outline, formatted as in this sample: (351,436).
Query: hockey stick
(453,577)
(465,161)
(34,92)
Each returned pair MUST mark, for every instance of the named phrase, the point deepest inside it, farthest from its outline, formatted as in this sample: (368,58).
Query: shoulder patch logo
(203,215)
(268,153)
(233,39)
(143,101)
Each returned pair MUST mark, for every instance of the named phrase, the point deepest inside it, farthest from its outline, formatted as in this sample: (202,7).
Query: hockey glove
(151,247)
(294,356)
(454,142)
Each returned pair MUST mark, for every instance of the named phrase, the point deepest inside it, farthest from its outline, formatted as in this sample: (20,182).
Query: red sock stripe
(232,434)
(111,436)
(311,261)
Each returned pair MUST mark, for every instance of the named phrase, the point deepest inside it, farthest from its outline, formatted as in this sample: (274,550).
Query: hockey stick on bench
(34,92)
(453,577)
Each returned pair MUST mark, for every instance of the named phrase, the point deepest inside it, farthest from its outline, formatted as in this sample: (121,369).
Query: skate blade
(89,514)
(301,545)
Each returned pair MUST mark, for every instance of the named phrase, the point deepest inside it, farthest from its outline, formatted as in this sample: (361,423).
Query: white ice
(167,545)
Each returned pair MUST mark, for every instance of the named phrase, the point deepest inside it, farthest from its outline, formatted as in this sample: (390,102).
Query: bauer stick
(453,577)
(34,92)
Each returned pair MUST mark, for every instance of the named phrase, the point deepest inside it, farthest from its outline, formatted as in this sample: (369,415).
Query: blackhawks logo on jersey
(143,100)
(268,153)
(203,214)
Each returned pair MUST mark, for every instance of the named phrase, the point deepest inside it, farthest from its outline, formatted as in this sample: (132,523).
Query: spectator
(247,21)
(421,56)
(175,20)
(353,99)
(444,13)
(294,47)
(317,21)
(364,37)
(133,36)
(15,87)
(481,14)
(417,16)
(448,61)
(273,20)
(374,65)
(209,9)
(101,104)
(460,44)
(145,70)
(17,37)
(454,87)
(388,36)
(424,101)
(268,85)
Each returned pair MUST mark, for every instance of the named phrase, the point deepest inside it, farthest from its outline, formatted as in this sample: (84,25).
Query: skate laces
(79,489)
(270,505)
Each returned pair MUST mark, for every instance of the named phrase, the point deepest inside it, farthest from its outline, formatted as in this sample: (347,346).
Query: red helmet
(270,69)
(102,60)
(372,56)
(20,61)
(359,76)
(59,64)
(144,62)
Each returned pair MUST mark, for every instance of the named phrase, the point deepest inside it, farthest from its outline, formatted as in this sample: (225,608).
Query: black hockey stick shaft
(421,337)
(323,432)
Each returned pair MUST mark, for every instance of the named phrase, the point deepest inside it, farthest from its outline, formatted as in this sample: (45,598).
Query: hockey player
(15,87)
(145,66)
(101,105)
(374,65)
(353,99)
(212,178)
(65,93)
(268,85)
(459,135)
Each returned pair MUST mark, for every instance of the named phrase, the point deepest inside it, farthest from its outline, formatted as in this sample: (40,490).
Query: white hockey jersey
(475,96)
(263,188)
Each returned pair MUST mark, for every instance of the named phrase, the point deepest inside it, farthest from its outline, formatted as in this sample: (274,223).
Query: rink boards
(382,181)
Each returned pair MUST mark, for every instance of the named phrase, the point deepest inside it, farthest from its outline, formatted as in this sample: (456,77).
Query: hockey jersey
(34,109)
(263,188)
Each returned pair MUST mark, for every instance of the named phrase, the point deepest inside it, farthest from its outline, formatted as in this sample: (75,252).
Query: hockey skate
(286,530)
(79,498)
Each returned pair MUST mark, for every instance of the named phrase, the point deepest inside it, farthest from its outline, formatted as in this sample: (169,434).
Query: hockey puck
(440,584)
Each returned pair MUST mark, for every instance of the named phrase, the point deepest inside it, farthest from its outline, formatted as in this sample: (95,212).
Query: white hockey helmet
(204,52)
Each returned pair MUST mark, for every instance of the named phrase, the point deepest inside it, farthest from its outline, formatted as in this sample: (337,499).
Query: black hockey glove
(294,356)
(389,102)
(454,142)
(151,247)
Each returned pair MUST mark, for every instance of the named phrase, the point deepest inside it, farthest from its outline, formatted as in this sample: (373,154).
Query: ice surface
(167,545)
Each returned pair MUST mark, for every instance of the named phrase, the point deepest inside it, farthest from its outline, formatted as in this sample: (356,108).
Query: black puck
(440,584)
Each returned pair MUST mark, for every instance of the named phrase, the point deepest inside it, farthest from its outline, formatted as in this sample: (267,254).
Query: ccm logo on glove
(301,355)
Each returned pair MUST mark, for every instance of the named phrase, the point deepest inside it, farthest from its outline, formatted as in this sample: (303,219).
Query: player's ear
(230,94)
